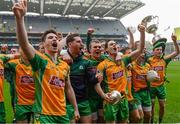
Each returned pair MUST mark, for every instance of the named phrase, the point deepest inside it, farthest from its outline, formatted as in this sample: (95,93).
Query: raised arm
(89,38)
(177,50)
(131,39)
(19,10)
(140,48)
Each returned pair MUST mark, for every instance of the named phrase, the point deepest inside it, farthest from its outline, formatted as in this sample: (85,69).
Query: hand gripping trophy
(151,23)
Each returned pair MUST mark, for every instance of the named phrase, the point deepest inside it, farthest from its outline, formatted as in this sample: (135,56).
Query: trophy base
(158,39)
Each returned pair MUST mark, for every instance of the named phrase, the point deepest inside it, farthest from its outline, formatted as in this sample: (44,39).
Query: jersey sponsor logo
(117,75)
(158,68)
(141,77)
(56,81)
(26,79)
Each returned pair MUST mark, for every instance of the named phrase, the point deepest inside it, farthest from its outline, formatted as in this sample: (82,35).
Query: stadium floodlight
(110,18)
(96,17)
(32,14)
(6,13)
(74,16)
(52,15)
(30,27)
(4,22)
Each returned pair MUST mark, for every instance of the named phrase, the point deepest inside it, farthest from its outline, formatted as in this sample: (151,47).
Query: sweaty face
(76,45)
(96,50)
(51,43)
(112,49)
(157,51)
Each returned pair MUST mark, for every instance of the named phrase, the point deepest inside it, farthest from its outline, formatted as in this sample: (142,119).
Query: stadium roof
(84,8)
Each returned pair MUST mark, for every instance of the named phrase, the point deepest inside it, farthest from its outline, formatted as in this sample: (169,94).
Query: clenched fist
(141,28)
(174,37)
(20,9)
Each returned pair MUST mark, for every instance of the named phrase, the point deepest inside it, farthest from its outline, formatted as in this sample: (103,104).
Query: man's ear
(69,44)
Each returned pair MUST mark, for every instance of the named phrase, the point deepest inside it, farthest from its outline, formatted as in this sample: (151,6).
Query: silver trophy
(158,38)
(151,23)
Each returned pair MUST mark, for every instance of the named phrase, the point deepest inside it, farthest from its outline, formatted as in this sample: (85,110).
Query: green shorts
(83,107)
(41,118)
(95,104)
(12,89)
(159,91)
(12,93)
(132,106)
(23,112)
(117,112)
(2,113)
(70,111)
(143,99)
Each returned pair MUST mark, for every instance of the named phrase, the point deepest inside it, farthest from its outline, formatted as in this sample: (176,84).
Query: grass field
(172,113)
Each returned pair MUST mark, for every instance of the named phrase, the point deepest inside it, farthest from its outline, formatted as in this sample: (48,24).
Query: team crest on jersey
(81,67)
(117,75)
(158,68)
(54,80)
(1,72)
(26,79)
(141,77)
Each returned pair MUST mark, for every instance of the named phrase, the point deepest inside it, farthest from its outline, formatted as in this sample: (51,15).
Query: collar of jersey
(58,60)
(110,59)
(101,58)
(77,58)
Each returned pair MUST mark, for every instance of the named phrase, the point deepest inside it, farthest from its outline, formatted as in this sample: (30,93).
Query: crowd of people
(63,82)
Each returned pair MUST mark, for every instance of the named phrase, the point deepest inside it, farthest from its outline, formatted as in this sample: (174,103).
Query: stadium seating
(65,25)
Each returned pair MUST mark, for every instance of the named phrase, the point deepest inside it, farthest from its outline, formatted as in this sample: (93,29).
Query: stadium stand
(89,14)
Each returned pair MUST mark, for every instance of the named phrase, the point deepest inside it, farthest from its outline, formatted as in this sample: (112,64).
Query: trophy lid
(147,18)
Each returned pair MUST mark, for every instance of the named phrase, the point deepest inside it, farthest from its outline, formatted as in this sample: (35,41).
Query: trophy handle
(157,19)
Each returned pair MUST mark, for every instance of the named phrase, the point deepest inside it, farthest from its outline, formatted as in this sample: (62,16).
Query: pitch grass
(172,113)
(172,110)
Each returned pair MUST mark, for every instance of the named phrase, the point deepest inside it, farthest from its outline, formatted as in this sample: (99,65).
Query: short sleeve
(37,62)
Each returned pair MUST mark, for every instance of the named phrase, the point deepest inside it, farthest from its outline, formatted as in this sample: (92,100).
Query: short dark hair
(43,37)
(70,38)
(93,41)
(106,44)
